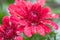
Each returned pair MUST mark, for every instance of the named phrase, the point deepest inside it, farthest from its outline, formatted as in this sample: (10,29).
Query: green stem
(55,37)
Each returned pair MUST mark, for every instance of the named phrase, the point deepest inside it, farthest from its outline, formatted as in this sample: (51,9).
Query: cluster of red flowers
(27,18)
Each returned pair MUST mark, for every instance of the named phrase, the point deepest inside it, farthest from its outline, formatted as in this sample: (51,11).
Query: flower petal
(27,31)
(34,29)
(29,5)
(18,1)
(47,29)
(18,38)
(19,30)
(1,28)
(18,11)
(50,15)
(44,12)
(1,38)
(23,22)
(41,2)
(49,22)
(5,20)
(41,30)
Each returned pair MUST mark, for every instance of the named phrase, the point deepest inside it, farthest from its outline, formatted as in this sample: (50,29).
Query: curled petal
(1,28)
(17,20)
(41,2)
(14,20)
(18,38)
(12,10)
(18,11)
(49,22)
(23,22)
(29,5)
(27,31)
(36,7)
(50,15)
(41,30)
(34,29)
(5,20)
(47,29)
(44,12)
(1,38)
(19,30)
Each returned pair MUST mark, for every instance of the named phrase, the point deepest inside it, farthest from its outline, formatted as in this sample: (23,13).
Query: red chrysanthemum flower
(8,30)
(32,18)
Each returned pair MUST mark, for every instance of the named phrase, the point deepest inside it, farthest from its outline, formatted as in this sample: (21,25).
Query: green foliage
(1,16)
(9,1)
(50,36)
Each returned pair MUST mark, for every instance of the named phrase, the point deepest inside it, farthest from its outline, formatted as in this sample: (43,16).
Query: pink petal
(18,38)
(41,30)
(23,22)
(18,1)
(18,11)
(27,31)
(41,2)
(5,20)
(34,29)
(54,25)
(12,9)
(29,5)
(14,19)
(1,28)
(47,29)
(20,30)
(50,15)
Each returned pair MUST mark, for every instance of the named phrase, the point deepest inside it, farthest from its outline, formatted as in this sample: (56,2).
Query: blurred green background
(54,4)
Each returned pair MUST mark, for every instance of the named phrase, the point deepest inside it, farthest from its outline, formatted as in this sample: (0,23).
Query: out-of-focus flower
(8,30)
(32,18)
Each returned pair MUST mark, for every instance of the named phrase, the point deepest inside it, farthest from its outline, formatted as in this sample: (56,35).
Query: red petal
(1,38)
(47,29)
(1,28)
(27,31)
(34,29)
(41,30)
(36,7)
(14,19)
(20,29)
(45,12)
(23,22)
(5,20)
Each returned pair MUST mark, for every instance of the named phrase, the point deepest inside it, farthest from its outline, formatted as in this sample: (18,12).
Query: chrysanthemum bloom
(8,31)
(32,18)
